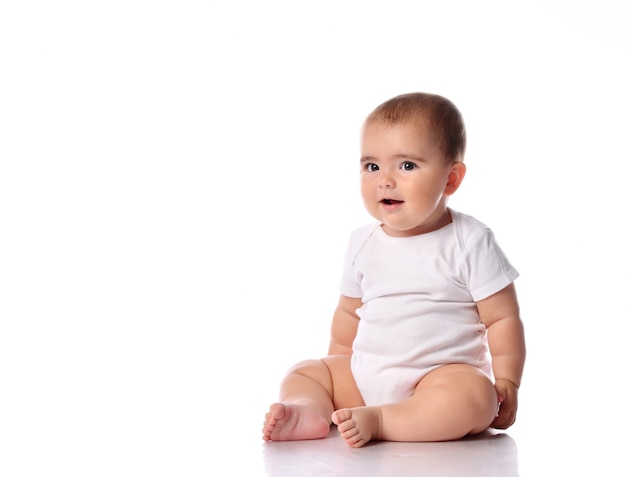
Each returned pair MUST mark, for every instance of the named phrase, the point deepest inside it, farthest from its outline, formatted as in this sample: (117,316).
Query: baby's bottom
(448,403)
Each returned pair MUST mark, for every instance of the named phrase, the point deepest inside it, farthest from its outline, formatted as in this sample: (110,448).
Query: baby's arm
(500,314)
(344,325)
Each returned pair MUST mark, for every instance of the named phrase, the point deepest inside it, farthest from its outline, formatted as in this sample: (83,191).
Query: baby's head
(432,112)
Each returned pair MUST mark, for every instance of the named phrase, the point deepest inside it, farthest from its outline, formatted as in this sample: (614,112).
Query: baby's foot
(293,422)
(358,425)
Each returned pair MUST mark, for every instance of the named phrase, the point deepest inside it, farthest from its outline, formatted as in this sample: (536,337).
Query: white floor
(489,455)
(539,452)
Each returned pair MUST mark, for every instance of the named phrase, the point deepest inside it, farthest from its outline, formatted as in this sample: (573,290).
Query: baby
(426,343)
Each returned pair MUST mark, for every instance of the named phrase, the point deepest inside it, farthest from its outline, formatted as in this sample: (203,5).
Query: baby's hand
(507,397)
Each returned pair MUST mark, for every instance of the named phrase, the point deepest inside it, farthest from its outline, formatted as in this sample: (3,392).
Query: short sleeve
(487,270)
(350,283)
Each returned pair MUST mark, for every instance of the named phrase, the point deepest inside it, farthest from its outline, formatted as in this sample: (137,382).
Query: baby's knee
(311,368)
(486,393)
(483,399)
(306,365)
(477,386)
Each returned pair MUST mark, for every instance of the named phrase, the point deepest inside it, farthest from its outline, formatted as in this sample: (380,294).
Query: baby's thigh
(345,391)
(466,380)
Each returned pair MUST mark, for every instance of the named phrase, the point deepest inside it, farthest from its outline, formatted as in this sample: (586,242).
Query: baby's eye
(371,167)
(408,166)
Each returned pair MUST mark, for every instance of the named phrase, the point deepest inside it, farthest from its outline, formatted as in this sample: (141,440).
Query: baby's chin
(396,231)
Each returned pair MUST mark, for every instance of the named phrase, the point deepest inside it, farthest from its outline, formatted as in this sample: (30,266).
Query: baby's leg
(448,403)
(308,395)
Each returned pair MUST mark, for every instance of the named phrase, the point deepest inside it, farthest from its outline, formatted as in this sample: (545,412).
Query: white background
(178,181)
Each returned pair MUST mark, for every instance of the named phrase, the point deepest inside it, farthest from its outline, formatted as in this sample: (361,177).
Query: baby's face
(404,178)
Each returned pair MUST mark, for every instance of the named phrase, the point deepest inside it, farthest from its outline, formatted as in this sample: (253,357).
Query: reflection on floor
(490,454)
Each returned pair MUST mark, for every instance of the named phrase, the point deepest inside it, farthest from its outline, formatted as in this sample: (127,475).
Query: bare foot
(293,422)
(358,425)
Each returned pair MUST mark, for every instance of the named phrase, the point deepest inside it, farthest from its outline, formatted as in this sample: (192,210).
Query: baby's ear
(455,177)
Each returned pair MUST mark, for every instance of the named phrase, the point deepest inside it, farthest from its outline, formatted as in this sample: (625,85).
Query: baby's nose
(386,181)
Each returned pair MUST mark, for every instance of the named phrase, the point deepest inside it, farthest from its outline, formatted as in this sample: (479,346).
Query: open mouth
(391,201)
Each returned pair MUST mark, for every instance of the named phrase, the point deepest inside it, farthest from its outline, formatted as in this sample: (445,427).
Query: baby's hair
(439,114)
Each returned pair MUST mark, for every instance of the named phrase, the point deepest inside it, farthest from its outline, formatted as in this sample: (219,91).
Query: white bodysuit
(419,309)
